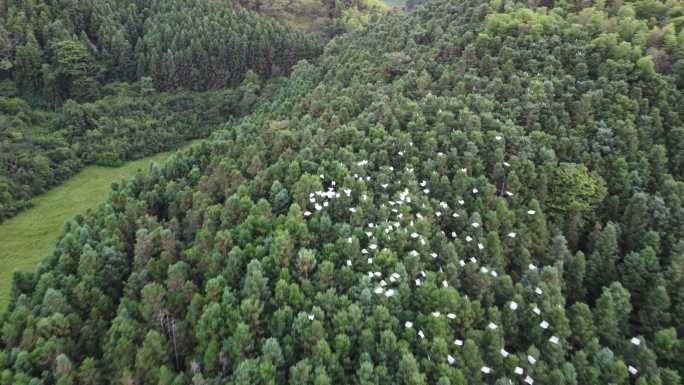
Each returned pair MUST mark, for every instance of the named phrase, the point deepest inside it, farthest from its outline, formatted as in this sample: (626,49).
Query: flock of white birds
(321,200)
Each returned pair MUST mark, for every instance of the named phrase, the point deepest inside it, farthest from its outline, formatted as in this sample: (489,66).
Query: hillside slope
(476,193)
(61,51)
(102,82)
(31,235)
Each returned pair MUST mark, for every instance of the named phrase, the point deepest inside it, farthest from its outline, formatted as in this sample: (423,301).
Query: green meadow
(31,236)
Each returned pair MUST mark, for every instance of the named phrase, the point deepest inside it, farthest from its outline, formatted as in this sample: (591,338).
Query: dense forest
(476,192)
(67,50)
(40,149)
(102,82)
(324,18)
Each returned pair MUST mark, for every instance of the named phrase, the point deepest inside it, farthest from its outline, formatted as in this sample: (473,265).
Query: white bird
(461,202)
(529,380)
(475,191)
(370,261)
(492,326)
(475,225)
(554,340)
(421,334)
(531,360)
(513,305)
(433,255)
(484,270)
(307,213)
(389,293)
(414,235)
(498,137)
(450,359)
(480,246)
(408,324)
(311,317)
(538,291)
(445,283)
(504,353)
(632,370)
(373,246)
(544,324)
(417,282)
(531,266)
(493,273)
(518,370)
(536,310)
(318,207)
(455,215)
(378,274)
(458,342)
(379,290)
(511,235)
(451,316)
(486,370)
(384,185)
(506,164)
(531,212)
(635,341)
(436,314)
(349,262)
(464,170)
(352,209)
(461,262)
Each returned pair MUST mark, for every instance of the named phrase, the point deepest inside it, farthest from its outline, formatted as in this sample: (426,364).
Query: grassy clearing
(31,236)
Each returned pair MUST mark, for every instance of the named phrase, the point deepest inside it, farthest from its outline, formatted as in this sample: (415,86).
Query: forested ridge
(478,192)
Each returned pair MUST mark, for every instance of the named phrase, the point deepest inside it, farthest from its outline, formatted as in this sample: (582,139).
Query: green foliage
(318,17)
(68,50)
(327,237)
(42,149)
(574,188)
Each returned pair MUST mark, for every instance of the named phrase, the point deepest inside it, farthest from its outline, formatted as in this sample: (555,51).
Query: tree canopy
(478,192)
